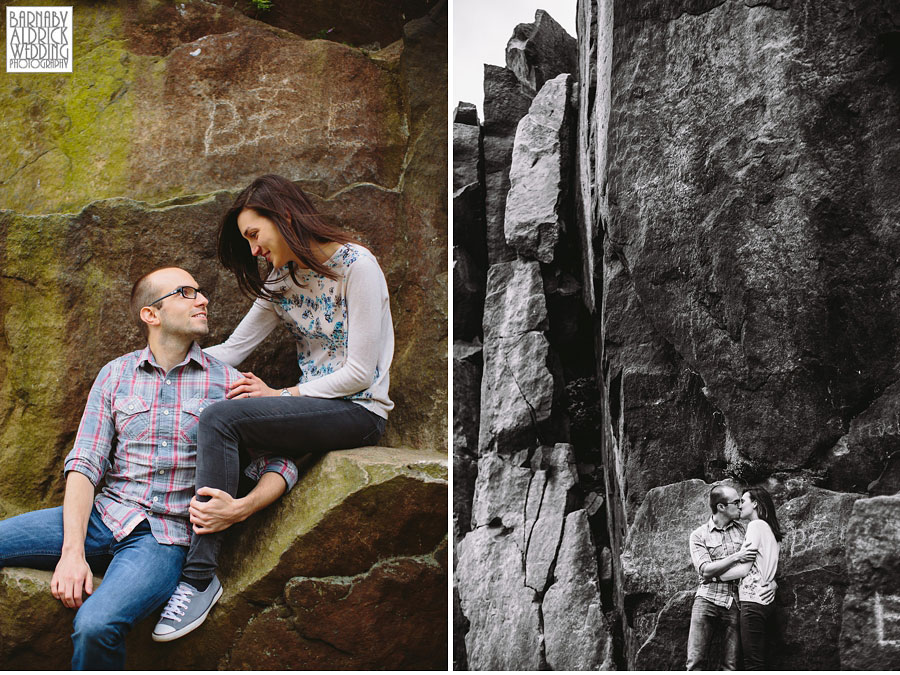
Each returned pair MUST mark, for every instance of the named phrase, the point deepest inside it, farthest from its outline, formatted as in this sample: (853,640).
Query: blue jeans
(289,426)
(706,618)
(141,574)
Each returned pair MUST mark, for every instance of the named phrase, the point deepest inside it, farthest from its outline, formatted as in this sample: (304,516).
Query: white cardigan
(343,328)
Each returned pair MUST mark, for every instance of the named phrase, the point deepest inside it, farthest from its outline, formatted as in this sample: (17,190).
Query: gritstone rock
(506,101)
(539,51)
(365,525)
(517,387)
(575,631)
(870,632)
(539,173)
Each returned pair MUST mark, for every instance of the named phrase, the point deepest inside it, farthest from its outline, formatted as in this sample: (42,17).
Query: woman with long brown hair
(330,293)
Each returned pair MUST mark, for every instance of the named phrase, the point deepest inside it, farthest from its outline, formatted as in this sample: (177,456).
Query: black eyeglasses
(736,502)
(188,292)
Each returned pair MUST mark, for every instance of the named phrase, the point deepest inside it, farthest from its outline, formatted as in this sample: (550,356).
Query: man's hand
(767,592)
(219,513)
(746,554)
(250,385)
(72,573)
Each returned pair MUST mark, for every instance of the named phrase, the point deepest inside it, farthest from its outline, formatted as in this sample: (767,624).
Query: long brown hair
(765,508)
(298,222)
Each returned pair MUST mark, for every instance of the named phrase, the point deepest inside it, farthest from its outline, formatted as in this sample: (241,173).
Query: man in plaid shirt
(139,433)
(716,546)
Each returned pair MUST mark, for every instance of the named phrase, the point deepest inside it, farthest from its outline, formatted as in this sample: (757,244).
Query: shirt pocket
(190,418)
(132,418)
(717,552)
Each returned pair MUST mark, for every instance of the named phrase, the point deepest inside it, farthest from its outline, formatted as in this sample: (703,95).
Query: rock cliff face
(719,306)
(129,163)
(324,578)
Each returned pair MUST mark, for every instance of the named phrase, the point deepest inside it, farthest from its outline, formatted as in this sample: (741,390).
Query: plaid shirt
(139,429)
(709,542)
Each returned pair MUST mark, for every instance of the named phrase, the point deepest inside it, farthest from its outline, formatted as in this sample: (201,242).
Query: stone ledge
(371,521)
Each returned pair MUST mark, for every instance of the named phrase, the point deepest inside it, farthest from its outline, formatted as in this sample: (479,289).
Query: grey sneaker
(186,610)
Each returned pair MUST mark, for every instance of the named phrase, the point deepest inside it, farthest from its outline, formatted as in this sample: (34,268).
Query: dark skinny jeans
(756,621)
(289,426)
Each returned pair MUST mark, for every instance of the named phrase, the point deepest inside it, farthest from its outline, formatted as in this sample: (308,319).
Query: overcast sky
(481,29)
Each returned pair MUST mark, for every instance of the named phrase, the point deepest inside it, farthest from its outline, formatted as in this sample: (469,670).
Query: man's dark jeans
(706,618)
(289,426)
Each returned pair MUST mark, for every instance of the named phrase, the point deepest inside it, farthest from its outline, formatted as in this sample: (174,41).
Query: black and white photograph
(676,367)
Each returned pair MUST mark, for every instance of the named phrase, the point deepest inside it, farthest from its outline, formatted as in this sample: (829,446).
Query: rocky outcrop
(506,101)
(722,290)
(517,387)
(134,158)
(527,572)
(539,174)
(348,570)
(540,51)
(527,577)
(870,631)
(733,297)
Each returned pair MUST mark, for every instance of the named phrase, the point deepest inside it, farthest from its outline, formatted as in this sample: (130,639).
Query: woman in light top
(764,535)
(331,294)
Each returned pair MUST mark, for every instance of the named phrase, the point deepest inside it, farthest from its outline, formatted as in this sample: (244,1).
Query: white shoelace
(179,600)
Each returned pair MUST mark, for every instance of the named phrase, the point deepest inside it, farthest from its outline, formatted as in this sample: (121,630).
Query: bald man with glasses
(138,435)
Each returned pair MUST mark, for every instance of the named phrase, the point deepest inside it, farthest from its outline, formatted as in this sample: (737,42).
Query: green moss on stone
(68,135)
(34,328)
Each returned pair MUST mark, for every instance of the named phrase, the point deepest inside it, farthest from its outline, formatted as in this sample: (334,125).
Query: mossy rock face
(129,162)
(349,570)
(370,24)
(169,99)
(64,314)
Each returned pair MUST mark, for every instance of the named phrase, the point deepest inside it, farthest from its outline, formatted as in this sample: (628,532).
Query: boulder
(248,100)
(467,161)
(421,320)
(328,576)
(547,501)
(469,229)
(870,631)
(36,627)
(517,386)
(503,614)
(500,493)
(505,571)
(465,113)
(58,318)
(506,101)
(352,622)
(540,51)
(864,454)
(179,107)
(539,174)
(515,302)
(576,633)
(116,138)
